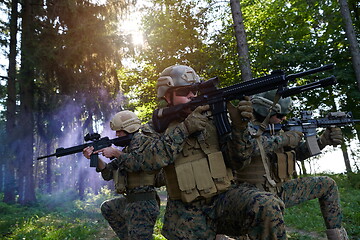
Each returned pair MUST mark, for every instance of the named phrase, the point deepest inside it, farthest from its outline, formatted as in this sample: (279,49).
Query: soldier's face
(121,133)
(277,118)
(179,96)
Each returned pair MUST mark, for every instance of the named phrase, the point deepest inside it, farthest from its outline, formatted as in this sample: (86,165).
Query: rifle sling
(261,147)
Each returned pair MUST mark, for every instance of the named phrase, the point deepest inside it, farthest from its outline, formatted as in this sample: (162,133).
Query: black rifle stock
(217,98)
(308,125)
(97,142)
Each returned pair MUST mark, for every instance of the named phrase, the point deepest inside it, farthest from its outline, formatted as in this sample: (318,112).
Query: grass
(62,216)
(55,217)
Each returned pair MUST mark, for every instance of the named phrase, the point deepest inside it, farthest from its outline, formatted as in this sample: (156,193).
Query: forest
(70,65)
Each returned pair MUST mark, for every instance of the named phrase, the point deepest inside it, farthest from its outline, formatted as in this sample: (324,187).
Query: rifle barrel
(51,155)
(296,90)
(308,72)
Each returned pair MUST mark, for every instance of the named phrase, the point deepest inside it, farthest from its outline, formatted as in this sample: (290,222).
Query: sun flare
(131,25)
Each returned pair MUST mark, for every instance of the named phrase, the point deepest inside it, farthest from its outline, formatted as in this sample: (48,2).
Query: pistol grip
(94,160)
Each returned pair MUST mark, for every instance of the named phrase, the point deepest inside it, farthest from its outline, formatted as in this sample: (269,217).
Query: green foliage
(158,225)
(174,34)
(53,226)
(14,215)
(56,217)
(139,89)
(354,179)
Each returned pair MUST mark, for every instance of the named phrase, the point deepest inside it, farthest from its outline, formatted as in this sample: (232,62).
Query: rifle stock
(97,142)
(217,98)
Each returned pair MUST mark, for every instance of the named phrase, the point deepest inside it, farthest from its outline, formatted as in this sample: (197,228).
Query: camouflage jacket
(244,146)
(151,151)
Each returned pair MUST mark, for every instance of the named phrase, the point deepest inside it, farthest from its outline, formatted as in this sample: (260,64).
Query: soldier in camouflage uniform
(202,201)
(272,165)
(134,215)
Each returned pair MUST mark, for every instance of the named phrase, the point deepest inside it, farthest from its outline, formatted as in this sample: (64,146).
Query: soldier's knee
(105,208)
(270,203)
(274,205)
(329,181)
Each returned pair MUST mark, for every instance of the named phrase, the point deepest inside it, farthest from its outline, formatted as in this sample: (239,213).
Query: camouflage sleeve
(270,143)
(240,148)
(244,146)
(150,151)
(107,172)
(302,152)
(274,142)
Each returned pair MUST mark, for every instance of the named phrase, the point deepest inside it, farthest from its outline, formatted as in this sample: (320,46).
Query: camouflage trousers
(324,188)
(239,211)
(133,220)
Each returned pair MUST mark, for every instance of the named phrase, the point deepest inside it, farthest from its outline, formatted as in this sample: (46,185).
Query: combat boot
(337,234)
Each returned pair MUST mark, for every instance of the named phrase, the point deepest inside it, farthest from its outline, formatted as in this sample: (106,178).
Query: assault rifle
(307,125)
(97,142)
(217,98)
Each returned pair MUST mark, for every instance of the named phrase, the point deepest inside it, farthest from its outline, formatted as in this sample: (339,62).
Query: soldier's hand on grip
(241,114)
(110,152)
(196,121)
(88,151)
(291,138)
(331,136)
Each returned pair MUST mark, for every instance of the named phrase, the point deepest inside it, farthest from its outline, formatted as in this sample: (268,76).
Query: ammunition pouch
(120,181)
(199,171)
(140,179)
(198,177)
(283,166)
(127,180)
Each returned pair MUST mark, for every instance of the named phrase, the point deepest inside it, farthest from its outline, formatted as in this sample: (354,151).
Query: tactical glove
(331,136)
(196,121)
(291,138)
(242,114)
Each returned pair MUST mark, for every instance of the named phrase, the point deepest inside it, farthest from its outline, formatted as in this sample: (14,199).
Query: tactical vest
(199,171)
(281,166)
(130,180)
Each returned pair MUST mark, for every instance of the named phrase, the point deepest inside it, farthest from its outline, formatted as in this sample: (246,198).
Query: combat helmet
(125,120)
(175,76)
(263,101)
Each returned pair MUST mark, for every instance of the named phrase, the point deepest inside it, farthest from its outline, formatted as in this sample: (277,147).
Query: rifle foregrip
(94,158)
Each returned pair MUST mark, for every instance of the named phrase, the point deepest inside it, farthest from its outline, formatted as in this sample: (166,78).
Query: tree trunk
(81,183)
(48,169)
(9,186)
(26,124)
(303,168)
(351,35)
(241,42)
(346,158)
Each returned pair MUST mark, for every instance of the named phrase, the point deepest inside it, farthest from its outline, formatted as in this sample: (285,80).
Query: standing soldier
(202,201)
(134,215)
(272,164)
